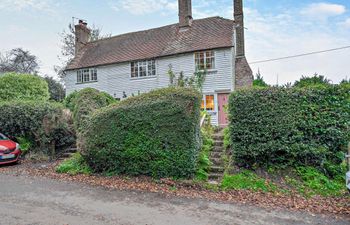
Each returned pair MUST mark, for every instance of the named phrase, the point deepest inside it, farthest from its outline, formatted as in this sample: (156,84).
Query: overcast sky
(274,29)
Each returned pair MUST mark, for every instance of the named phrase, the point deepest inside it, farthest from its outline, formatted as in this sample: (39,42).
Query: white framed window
(205,60)
(79,76)
(143,69)
(86,75)
(93,74)
(208,103)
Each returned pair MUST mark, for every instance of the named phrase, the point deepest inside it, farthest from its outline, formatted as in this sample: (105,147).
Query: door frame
(221,111)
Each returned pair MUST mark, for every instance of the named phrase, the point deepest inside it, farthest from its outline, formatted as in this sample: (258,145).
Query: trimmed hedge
(43,123)
(85,102)
(155,134)
(289,127)
(23,87)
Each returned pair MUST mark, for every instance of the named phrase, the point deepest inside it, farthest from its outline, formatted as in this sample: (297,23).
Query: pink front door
(222,104)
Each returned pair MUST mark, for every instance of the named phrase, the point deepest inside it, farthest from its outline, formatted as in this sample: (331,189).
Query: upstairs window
(143,69)
(205,60)
(86,75)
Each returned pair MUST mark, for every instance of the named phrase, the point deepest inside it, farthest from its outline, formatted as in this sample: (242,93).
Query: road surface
(41,201)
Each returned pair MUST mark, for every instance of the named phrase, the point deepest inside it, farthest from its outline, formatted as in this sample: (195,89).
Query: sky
(274,29)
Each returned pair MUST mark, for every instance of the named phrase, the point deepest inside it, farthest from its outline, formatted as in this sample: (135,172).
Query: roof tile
(209,33)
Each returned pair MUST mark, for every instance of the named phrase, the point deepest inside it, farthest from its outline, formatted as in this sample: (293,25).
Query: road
(41,201)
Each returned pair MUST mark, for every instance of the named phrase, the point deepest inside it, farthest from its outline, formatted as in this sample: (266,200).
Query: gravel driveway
(29,200)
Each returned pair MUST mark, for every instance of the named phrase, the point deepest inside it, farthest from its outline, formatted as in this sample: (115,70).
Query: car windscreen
(3,137)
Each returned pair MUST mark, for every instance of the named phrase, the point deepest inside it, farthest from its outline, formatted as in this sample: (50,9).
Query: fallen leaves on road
(320,205)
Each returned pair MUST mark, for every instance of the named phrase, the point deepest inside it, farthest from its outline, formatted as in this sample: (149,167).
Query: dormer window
(205,60)
(86,75)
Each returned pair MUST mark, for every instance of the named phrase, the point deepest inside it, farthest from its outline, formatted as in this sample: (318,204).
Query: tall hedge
(23,87)
(289,126)
(43,123)
(85,102)
(155,134)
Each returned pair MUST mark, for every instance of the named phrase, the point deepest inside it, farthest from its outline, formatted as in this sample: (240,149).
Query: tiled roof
(209,33)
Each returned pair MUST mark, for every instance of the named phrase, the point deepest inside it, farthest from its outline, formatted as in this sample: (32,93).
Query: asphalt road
(36,201)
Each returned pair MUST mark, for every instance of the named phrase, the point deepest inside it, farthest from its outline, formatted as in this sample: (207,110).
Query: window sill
(89,82)
(143,78)
(211,112)
(211,71)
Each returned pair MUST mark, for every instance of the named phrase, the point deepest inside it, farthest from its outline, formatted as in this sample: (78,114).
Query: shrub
(44,124)
(56,89)
(87,101)
(74,165)
(23,87)
(153,134)
(69,101)
(203,164)
(312,182)
(317,81)
(289,127)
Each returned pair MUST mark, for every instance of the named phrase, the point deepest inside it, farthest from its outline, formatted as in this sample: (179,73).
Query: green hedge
(85,102)
(43,123)
(288,127)
(23,87)
(154,134)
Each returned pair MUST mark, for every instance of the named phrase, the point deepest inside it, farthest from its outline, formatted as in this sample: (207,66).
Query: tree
(314,81)
(259,81)
(56,89)
(68,45)
(19,61)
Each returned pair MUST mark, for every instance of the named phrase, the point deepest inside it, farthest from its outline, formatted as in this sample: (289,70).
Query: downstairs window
(208,103)
(86,75)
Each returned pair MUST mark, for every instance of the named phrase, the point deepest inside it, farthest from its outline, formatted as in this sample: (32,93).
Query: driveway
(36,201)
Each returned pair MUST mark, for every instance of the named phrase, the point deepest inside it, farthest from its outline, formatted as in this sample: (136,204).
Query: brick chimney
(185,13)
(82,36)
(239,21)
(243,73)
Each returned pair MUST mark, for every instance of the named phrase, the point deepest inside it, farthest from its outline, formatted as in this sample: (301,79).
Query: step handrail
(203,120)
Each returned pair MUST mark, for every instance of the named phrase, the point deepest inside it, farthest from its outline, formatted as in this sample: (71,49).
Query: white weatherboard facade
(116,80)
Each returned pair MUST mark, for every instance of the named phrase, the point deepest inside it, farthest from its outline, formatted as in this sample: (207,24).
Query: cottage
(133,63)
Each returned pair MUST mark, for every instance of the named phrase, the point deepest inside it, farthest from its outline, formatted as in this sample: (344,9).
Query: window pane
(133,70)
(153,68)
(142,69)
(79,77)
(93,73)
(209,102)
(202,105)
(86,75)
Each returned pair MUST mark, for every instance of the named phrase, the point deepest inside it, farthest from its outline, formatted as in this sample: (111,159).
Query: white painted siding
(115,79)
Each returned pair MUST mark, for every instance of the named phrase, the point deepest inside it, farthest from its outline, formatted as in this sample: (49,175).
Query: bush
(56,89)
(310,181)
(290,127)
(23,87)
(203,164)
(74,165)
(153,134)
(44,124)
(85,102)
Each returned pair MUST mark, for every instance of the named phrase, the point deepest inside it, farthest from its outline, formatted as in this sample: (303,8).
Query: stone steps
(68,153)
(216,171)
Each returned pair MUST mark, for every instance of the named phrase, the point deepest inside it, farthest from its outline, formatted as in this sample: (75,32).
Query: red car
(9,150)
